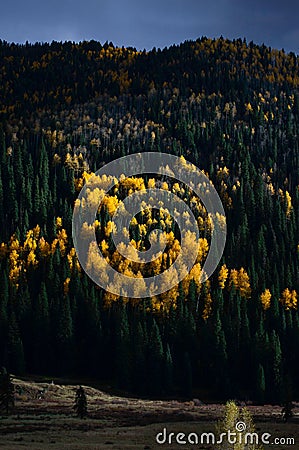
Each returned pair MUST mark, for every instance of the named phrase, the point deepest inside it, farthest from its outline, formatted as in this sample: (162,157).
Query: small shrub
(287,411)
(239,423)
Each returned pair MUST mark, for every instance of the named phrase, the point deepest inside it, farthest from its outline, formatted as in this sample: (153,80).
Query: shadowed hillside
(229,107)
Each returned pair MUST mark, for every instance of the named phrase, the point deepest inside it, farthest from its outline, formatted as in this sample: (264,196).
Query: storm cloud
(159,23)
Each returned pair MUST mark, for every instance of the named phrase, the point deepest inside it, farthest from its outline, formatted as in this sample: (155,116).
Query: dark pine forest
(231,108)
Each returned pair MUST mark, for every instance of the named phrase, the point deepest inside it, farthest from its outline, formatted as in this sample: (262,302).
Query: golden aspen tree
(110,228)
(223,275)
(58,222)
(288,200)
(111,204)
(62,240)
(244,283)
(66,285)
(233,278)
(240,280)
(44,247)
(31,259)
(207,306)
(289,299)
(266,299)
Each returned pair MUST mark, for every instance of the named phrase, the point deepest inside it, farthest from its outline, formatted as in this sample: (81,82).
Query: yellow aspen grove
(111,204)
(104,247)
(289,299)
(151,183)
(14,243)
(110,228)
(240,280)
(15,267)
(233,278)
(266,299)
(288,201)
(58,222)
(36,231)
(66,285)
(62,240)
(44,247)
(30,242)
(169,297)
(223,275)
(223,173)
(56,159)
(294,299)
(73,260)
(31,259)
(208,307)
(195,274)
(109,299)
(244,283)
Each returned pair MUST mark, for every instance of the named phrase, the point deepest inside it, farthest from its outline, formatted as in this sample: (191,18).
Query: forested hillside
(229,107)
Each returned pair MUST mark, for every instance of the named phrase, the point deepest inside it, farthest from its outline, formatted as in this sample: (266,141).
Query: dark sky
(144,24)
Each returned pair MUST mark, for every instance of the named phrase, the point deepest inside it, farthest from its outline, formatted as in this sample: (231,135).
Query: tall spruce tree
(7,395)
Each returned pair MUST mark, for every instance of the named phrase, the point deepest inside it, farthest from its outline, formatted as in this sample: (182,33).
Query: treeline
(229,107)
(35,75)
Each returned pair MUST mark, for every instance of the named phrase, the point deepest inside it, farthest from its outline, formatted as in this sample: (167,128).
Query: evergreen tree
(64,335)
(80,405)
(260,384)
(15,351)
(122,349)
(3,315)
(167,371)
(139,372)
(41,328)
(155,358)
(187,377)
(276,360)
(7,396)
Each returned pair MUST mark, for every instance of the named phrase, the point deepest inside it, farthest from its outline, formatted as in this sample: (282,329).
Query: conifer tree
(41,328)
(15,351)
(122,349)
(139,372)
(64,335)
(155,358)
(167,371)
(276,360)
(80,405)
(7,396)
(260,384)
(187,376)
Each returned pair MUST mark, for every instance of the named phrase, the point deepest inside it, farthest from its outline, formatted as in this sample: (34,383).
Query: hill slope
(231,108)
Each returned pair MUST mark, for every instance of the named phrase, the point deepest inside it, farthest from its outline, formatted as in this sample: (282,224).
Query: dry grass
(44,419)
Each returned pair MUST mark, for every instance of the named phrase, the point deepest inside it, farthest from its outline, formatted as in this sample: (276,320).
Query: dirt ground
(44,419)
